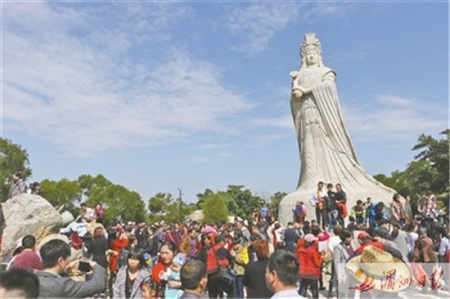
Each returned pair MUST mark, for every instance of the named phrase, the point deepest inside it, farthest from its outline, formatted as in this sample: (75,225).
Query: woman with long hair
(130,278)
(254,276)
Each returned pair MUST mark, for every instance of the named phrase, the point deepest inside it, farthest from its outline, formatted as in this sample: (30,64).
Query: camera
(84,267)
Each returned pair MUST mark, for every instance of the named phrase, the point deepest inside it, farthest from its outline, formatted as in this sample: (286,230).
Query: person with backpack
(298,212)
(218,257)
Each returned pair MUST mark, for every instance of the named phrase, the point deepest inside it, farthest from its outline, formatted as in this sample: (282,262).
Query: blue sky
(160,95)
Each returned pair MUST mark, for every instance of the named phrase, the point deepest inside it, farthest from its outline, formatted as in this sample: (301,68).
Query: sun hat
(378,269)
(310,238)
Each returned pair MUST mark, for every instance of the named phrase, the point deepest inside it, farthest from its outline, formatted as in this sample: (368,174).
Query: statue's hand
(304,90)
(297,93)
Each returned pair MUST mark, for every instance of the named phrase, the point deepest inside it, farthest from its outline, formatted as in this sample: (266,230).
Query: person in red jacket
(310,261)
(218,256)
(118,242)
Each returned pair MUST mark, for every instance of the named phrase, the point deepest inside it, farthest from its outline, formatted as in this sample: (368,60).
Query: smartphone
(84,267)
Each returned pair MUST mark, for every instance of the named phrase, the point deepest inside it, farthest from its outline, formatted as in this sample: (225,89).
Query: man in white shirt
(318,200)
(282,273)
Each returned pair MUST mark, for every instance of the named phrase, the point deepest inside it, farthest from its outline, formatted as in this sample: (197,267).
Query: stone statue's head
(310,43)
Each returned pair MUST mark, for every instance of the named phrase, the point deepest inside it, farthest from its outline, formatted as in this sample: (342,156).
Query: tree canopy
(428,171)
(240,202)
(215,209)
(117,201)
(164,206)
(13,158)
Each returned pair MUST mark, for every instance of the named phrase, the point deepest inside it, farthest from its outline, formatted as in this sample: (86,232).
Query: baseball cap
(363,235)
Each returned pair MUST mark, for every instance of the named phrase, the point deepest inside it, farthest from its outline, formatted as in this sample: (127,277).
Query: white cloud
(259,22)
(78,91)
(394,118)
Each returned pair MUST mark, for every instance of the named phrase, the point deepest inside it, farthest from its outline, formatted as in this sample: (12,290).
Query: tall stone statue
(326,150)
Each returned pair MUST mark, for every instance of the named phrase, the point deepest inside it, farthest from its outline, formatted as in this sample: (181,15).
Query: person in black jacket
(206,244)
(152,244)
(332,208)
(254,276)
(98,247)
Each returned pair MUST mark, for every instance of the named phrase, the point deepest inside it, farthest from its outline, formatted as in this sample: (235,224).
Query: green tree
(241,202)
(395,181)
(13,157)
(65,192)
(88,182)
(275,203)
(428,171)
(118,203)
(202,197)
(436,153)
(215,209)
(165,206)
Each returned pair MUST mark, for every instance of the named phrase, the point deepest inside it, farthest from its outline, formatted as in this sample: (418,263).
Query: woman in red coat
(310,261)
(117,243)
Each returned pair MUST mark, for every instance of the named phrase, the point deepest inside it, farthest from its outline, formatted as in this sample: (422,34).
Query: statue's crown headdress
(310,43)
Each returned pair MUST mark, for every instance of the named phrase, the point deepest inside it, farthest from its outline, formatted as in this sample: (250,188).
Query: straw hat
(378,269)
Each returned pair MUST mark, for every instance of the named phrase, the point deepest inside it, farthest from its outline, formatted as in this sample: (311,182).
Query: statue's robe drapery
(326,150)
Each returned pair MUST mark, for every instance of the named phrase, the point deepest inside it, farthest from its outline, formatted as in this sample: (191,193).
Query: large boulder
(28,214)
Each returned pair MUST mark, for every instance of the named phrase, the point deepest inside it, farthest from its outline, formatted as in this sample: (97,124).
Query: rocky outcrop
(28,214)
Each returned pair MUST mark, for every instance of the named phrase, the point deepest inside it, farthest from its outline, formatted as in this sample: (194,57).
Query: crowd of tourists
(257,257)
